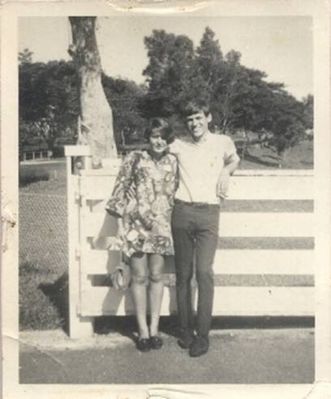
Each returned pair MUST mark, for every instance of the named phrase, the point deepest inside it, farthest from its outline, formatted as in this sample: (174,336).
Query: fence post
(79,326)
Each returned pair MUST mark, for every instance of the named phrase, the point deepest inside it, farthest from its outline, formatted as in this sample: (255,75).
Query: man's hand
(223,184)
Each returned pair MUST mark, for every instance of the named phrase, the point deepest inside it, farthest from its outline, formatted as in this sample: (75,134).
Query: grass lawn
(299,157)
(43,286)
(43,178)
(43,245)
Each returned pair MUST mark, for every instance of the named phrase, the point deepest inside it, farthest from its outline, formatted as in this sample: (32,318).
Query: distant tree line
(241,99)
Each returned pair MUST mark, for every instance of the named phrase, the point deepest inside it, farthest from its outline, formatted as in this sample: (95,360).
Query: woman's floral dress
(147,213)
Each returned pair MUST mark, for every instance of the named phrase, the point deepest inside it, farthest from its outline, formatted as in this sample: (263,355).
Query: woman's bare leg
(139,283)
(156,265)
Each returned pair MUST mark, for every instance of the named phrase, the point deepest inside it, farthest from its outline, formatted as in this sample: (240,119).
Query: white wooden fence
(90,228)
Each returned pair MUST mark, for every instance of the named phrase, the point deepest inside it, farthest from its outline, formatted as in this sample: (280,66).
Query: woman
(142,200)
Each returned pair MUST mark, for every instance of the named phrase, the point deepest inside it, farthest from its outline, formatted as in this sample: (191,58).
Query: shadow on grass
(169,324)
(261,322)
(36,176)
(309,163)
(58,294)
(252,158)
(126,325)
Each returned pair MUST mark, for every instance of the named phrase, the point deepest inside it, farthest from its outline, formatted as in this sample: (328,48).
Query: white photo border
(320,11)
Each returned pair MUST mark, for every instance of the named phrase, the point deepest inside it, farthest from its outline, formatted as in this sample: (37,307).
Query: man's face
(197,124)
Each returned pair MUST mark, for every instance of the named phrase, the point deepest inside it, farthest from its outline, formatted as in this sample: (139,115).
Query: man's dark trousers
(195,233)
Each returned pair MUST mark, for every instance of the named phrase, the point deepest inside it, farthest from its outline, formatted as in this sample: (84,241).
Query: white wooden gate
(264,264)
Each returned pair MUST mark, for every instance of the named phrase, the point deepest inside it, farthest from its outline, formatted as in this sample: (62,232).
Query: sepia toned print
(84,104)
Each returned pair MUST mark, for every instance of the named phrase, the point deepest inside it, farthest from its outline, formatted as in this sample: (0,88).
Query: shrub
(37,307)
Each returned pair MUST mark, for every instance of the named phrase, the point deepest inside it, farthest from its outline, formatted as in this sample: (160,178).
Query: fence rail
(91,228)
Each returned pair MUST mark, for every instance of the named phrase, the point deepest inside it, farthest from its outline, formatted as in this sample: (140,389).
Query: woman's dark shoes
(156,342)
(143,345)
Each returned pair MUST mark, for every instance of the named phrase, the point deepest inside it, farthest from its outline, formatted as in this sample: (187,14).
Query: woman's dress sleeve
(124,187)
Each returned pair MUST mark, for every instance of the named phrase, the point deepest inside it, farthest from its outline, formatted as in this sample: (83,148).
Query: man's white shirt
(200,164)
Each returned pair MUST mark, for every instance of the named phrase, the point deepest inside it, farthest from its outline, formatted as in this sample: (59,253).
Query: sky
(280,46)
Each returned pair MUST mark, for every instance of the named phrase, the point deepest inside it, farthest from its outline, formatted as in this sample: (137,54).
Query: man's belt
(195,204)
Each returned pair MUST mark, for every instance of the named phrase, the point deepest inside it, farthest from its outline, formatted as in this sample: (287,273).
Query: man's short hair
(195,106)
(161,126)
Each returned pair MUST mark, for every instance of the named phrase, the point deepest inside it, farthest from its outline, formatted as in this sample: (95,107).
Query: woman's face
(157,143)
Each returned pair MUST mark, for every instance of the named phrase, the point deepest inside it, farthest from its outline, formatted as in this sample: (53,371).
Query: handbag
(121,277)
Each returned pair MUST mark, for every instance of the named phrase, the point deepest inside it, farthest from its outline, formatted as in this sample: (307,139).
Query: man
(206,162)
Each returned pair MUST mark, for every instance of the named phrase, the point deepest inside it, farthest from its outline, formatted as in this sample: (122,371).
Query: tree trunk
(96,114)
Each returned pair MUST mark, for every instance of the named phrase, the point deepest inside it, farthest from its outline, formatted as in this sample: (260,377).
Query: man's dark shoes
(143,344)
(156,342)
(199,346)
(186,339)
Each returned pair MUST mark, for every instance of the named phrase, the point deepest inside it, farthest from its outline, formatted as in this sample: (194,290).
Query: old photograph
(128,89)
(169,217)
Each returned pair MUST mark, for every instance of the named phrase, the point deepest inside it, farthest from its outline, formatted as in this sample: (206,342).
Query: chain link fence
(43,231)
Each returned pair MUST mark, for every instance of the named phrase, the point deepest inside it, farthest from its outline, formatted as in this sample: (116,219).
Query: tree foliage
(125,97)
(241,98)
(168,72)
(51,85)
(49,95)
(308,104)
(25,56)
(48,101)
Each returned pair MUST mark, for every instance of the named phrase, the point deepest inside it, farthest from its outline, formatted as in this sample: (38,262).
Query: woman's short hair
(162,126)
